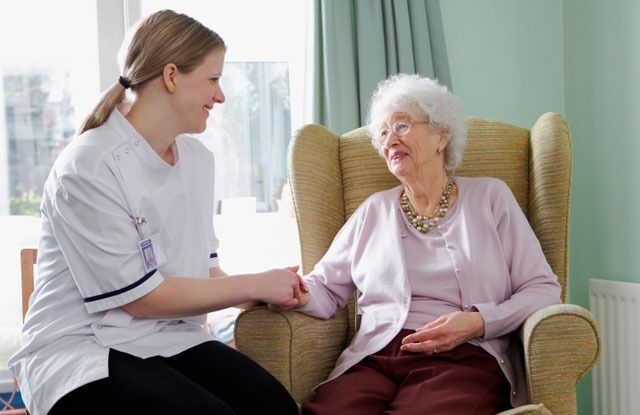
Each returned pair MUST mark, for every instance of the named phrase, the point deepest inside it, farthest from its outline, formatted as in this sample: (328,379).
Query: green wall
(503,65)
(515,59)
(602,69)
(602,98)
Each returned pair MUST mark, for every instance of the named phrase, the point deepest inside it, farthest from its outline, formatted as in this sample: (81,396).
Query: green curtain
(358,43)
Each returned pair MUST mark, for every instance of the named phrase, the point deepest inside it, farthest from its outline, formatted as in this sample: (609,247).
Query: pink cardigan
(500,265)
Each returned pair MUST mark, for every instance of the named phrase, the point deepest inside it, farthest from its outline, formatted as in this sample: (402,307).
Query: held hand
(304,293)
(445,333)
(280,287)
(301,284)
(303,298)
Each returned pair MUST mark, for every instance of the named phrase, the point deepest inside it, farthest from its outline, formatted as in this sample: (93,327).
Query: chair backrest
(332,175)
(28,258)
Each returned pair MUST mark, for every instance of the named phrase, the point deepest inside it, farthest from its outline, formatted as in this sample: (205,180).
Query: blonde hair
(159,39)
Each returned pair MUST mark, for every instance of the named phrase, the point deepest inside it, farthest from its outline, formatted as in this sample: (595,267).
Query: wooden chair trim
(28,258)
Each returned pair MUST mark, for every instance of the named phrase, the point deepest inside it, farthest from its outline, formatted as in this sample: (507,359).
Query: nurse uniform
(116,219)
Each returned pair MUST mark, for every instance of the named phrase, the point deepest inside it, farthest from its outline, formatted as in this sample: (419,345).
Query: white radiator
(616,377)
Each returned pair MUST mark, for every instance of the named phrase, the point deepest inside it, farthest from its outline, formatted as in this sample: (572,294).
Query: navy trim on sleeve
(214,255)
(121,290)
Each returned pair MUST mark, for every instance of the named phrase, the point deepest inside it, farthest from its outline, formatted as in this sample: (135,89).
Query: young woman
(127,263)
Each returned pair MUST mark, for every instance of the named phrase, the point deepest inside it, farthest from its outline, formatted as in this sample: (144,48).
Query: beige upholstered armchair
(331,175)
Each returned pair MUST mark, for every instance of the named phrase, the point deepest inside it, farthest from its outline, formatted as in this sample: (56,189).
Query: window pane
(39,121)
(250,133)
(49,80)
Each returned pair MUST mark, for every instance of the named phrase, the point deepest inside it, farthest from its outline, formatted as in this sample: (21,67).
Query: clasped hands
(445,333)
(284,289)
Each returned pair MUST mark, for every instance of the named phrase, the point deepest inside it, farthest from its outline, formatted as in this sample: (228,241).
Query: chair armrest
(561,343)
(299,350)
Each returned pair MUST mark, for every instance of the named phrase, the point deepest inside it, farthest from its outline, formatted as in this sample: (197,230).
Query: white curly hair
(424,99)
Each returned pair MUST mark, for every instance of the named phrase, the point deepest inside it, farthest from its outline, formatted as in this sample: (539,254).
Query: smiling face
(410,153)
(198,91)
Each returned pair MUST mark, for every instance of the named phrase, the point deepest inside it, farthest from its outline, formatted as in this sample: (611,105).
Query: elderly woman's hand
(445,333)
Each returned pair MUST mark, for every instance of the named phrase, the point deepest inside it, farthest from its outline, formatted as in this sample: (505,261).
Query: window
(249,134)
(48,82)
(53,66)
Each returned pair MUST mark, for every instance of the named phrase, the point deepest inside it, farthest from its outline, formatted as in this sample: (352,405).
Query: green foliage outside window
(26,203)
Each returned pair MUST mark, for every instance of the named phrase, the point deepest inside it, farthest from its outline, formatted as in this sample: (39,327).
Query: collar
(138,144)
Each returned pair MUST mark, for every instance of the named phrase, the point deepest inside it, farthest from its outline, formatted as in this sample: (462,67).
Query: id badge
(151,252)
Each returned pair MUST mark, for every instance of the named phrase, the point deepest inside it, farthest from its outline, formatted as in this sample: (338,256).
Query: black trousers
(210,378)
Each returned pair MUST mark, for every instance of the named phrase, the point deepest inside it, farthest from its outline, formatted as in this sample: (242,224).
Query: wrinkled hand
(303,297)
(445,333)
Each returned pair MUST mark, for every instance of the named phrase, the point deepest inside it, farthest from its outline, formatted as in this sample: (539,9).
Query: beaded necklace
(424,223)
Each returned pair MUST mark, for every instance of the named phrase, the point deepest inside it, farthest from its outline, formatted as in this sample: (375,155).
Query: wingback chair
(331,175)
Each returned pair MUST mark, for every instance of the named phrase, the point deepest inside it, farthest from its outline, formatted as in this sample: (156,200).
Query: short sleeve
(214,244)
(212,239)
(99,240)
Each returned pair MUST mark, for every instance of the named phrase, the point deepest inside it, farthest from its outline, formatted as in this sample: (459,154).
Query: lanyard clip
(140,220)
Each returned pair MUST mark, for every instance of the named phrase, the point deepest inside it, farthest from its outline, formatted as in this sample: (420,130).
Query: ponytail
(108,102)
(160,38)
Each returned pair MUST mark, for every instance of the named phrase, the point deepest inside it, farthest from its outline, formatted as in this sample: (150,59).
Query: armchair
(331,175)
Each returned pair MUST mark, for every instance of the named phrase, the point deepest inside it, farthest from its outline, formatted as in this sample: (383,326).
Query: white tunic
(90,263)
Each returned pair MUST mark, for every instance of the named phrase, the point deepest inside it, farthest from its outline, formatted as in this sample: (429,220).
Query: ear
(169,75)
(444,139)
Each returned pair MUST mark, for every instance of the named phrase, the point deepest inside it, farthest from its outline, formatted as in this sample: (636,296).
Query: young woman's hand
(303,298)
(280,287)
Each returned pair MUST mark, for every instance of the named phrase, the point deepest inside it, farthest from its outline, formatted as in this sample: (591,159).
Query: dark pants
(210,378)
(465,380)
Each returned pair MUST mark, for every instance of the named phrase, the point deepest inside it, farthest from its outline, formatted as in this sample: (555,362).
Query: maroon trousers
(465,380)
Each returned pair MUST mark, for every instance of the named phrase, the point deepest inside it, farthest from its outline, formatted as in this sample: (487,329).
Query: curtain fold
(354,44)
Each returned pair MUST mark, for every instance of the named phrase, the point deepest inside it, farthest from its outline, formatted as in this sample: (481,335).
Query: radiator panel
(616,377)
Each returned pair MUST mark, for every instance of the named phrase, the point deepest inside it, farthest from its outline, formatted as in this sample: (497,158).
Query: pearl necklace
(425,223)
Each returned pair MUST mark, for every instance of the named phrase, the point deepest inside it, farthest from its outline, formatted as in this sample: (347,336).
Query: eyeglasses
(399,128)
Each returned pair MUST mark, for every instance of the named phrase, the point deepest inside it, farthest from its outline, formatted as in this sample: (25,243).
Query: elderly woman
(446,267)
